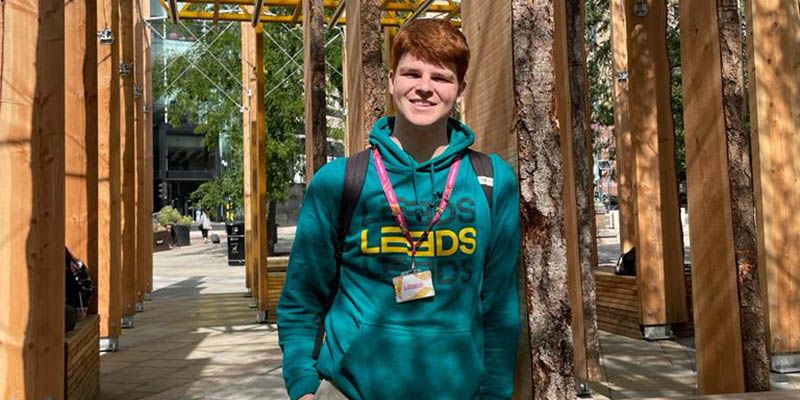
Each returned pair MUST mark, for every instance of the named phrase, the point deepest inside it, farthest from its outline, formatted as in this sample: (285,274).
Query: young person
(205,225)
(438,319)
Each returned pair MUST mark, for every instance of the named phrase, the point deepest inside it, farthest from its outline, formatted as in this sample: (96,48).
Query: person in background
(205,225)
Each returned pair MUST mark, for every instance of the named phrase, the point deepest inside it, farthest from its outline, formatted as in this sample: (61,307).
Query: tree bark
(582,158)
(543,240)
(754,346)
(314,75)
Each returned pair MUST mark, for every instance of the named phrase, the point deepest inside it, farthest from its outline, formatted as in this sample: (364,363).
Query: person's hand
(307,397)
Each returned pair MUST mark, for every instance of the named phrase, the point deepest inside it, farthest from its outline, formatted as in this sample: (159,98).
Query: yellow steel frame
(397,12)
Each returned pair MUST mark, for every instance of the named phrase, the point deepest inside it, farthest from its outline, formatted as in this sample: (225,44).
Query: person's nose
(424,89)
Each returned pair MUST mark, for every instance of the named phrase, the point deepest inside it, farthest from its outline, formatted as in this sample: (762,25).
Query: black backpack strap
(482,165)
(355,171)
(354,174)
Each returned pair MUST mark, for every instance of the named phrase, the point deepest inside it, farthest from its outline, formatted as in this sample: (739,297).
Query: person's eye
(411,74)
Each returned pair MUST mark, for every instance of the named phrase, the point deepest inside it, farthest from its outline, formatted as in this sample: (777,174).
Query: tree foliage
(202,85)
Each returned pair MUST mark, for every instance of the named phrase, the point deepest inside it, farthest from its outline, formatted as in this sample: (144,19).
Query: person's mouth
(422,103)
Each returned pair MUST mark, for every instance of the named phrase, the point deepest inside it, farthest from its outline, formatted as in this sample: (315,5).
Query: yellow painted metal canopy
(395,12)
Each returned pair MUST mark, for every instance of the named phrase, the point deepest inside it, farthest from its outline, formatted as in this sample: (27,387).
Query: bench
(82,360)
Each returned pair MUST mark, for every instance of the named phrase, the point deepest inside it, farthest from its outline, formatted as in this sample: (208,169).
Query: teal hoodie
(461,343)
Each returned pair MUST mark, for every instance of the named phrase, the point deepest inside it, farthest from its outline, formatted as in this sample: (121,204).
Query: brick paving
(197,339)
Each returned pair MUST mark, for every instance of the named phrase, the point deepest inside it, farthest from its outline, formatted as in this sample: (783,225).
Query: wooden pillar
(494,100)
(314,81)
(109,285)
(622,131)
(721,205)
(260,175)
(774,26)
(247,71)
(572,92)
(128,151)
(365,84)
(32,199)
(489,97)
(80,191)
(143,214)
(147,88)
(659,252)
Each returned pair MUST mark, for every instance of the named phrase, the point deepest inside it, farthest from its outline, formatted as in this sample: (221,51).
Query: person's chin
(423,121)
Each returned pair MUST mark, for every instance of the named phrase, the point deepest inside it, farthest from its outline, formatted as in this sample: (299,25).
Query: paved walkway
(197,339)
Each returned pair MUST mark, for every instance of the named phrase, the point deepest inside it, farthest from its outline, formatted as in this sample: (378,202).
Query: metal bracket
(622,76)
(105,36)
(127,321)
(140,307)
(253,304)
(582,389)
(125,69)
(248,293)
(658,332)
(147,108)
(785,363)
(640,8)
(109,344)
(261,317)
(137,91)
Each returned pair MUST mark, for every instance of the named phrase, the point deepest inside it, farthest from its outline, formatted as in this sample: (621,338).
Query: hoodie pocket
(394,362)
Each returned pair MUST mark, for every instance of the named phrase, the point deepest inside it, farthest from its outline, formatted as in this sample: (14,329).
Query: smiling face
(423,93)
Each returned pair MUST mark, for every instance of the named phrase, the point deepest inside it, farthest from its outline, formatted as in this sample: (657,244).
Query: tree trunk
(582,158)
(543,240)
(754,346)
(314,76)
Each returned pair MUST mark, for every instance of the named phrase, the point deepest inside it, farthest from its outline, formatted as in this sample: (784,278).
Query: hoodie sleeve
(309,279)
(499,297)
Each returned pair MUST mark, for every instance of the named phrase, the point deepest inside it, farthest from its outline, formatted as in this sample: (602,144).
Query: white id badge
(413,285)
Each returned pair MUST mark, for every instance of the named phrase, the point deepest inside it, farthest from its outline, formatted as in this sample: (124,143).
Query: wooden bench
(618,304)
(82,360)
(276,276)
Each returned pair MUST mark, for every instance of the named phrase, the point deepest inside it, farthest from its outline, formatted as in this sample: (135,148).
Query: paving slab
(197,339)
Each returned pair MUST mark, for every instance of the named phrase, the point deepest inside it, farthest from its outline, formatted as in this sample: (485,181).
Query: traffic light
(162,190)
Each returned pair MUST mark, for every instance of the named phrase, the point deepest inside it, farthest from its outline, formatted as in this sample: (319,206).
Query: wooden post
(485,24)
(365,84)
(659,253)
(109,285)
(572,91)
(80,191)
(128,152)
(314,81)
(143,214)
(259,134)
(543,238)
(147,87)
(774,26)
(32,199)
(721,205)
(247,72)
(624,161)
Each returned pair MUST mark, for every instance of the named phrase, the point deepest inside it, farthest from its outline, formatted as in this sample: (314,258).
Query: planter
(181,235)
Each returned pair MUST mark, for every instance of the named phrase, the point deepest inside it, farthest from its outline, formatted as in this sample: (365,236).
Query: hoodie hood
(396,159)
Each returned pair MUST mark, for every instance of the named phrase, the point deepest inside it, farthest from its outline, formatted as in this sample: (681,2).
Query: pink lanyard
(391,197)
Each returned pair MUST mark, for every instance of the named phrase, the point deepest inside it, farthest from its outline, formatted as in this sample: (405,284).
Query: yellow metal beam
(386,5)
(286,19)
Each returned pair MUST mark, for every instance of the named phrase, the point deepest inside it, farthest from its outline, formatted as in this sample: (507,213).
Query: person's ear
(461,87)
(391,82)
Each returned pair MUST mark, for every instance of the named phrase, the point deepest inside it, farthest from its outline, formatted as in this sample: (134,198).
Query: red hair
(435,41)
